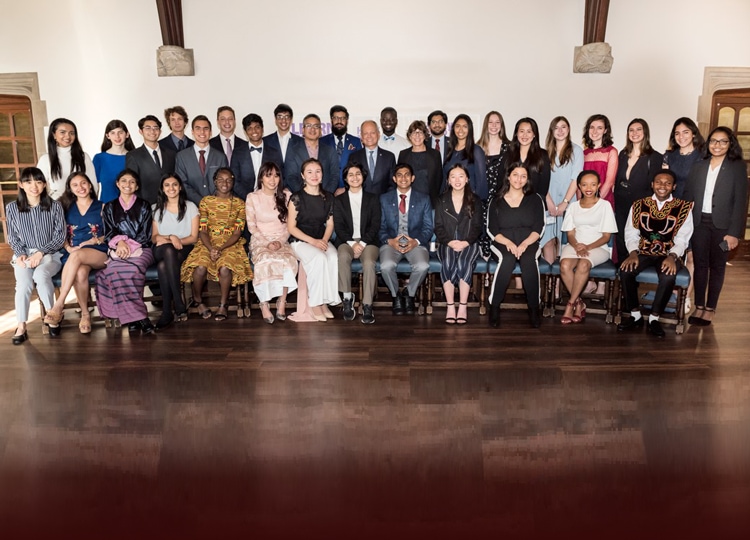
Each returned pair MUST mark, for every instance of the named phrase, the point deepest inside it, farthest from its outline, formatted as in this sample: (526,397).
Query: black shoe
(631,324)
(146,326)
(408,304)
(654,327)
(55,331)
(134,327)
(534,317)
(367,315)
(349,312)
(161,324)
(398,305)
(17,340)
(495,316)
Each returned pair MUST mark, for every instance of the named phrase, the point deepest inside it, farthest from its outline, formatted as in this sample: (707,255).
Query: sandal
(462,320)
(221,313)
(182,317)
(281,309)
(203,311)
(84,326)
(53,318)
(573,318)
(581,309)
(450,320)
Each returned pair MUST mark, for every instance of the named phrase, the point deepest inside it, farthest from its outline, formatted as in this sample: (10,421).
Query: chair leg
(430,281)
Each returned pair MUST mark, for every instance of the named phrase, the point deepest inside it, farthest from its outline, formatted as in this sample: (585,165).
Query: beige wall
(96,59)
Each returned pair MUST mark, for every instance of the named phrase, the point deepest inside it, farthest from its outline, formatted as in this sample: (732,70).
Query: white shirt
(151,152)
(443,141)
(374,158)
(708,194)
(284,142)
(395,143)
(681,239)
(257,158)
(56,186)
(355,200)
(197,151)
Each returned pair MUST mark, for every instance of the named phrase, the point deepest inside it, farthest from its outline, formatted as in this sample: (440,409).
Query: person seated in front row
(515,223)
(356,220)
(84,248)
(219,255)
(657,233)
(458,226)
(406,227)
(589,223)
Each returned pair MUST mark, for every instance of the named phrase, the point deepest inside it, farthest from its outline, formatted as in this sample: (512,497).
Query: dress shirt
(374,158)
(197,150)
(257,158)
(176,141)
(681,239)
(394,144)
(708,194)
(284,142)
(355,201)
(158,153)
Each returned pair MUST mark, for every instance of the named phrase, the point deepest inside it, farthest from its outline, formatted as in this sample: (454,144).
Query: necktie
(202,161)
(437,145)
(180,145)
(371,163)
(157,160)
(402,204)
(340,146)
(229,150)
(258,149)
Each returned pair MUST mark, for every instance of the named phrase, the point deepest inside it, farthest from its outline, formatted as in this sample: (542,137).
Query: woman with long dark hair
(174,233)
(458,226)
(525,147)
(465,151)
(274,262)
(64,156)
(111,160)
(36,232)
(599,155)
(85,248)
(718,187)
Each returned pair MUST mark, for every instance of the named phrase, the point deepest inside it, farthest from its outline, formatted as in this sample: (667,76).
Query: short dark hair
(283,108)
(403,166)
(151,117)
(130,172)
(201,117)
(177,109)
(339,108)
(437,113)
(355,165)
(584,173)
(251,118)
(669,173)
(390,110)
(311,115)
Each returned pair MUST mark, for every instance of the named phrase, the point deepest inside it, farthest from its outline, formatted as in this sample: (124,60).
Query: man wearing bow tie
(339,139)
(390,140)
(249,156)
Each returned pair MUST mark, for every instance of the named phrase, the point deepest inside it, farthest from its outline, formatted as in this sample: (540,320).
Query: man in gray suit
(150,161)
(304,150)
(198,164)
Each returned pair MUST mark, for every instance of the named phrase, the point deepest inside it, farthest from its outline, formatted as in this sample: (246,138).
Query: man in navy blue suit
(283,139)
(340,140)
(177,120)
(249,156)
(406,227)
(380,163)
(226,140)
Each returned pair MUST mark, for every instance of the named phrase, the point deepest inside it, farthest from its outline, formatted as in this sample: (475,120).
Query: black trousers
(168,263)
(663,289)
(529,275)
(710,262)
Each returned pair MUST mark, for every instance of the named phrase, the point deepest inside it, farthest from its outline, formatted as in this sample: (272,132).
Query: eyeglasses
(417,133)
(722,142)
(283,116)
(311,126)
(339,118)
(151,128)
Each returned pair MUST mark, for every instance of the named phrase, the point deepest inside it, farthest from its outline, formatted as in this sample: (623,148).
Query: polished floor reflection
(407,428)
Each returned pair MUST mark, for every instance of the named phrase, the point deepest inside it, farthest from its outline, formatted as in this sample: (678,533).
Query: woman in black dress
(424,161)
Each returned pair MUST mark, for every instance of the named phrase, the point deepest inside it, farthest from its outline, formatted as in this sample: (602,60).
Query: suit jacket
(219,143)
(420,222)
(168,143)
(351,144)
(382,179)
(297,154)
(369,220)
(141,160)
(242,166)
(729,198)
(444,151)
(198,185)
(273,140)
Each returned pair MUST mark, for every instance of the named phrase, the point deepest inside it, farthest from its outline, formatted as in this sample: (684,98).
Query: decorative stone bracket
(593,58)
(174,61)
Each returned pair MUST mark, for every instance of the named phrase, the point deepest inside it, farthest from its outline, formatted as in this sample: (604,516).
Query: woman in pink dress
(274,262)
(599,155)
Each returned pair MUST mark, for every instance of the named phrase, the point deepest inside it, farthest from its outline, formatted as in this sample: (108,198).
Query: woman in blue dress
(111,161)
(84,248)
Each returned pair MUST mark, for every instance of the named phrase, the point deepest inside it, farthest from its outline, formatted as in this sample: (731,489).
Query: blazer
(385,166)
(450,226)
(297,154)
(351,144)
(218,143)
(445,151)
(243,170)
(273,140)
(433,182)
(729,198)
(168,143)
(141,160)
(369,220)
(198,185)
(420,223)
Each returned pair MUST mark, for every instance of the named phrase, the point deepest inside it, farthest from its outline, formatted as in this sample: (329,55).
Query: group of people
(301,209)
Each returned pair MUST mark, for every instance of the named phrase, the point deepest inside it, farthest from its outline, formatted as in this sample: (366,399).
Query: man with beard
(340,140)
(390,140)
(436,123)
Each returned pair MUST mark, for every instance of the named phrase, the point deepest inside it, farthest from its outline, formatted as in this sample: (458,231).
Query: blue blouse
(83,228)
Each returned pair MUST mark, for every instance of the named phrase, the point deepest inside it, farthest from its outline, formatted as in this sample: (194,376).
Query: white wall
(96,59)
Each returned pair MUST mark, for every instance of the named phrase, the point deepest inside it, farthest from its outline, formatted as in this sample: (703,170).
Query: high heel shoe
(695,318)
(265,308)
(705,322)
(281,309)
(572,319)
(495,316)
(581,311)
(462,320)
(448,309)
(17,340)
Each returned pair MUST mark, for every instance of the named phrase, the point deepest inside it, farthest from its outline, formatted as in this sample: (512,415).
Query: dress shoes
(161,324)
(143,326)
(631,324)
(398,305)
(367,316)
(495,316)
(655,329)
(17,340)
(55,331)
(535,318)
(408,304)
(349,312)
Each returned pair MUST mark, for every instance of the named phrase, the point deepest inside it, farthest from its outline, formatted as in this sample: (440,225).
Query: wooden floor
(404,429)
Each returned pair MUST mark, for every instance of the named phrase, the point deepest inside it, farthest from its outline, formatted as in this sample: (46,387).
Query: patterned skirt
(234,258)
(119,288)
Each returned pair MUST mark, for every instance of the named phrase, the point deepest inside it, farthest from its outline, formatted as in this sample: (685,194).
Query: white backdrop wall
(96,59)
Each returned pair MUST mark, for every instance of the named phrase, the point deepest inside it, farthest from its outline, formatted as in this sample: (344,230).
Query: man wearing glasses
(340,140)
(310,147)
(150,160)
(283,138)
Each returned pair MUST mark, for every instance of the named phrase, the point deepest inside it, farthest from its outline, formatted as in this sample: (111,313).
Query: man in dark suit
(406,226)
(249,156)
(437,121)
(340,140)
(283,138)
(177,120)
(356,220)
(198,164)
(380,164)
(310,147)
(226,140)
(149,160)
